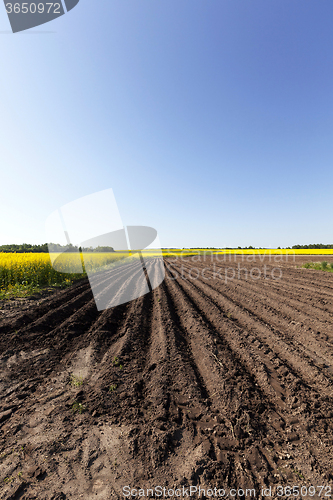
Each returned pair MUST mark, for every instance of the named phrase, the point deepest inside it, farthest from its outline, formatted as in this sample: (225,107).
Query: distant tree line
(52,247)
(313,245)
(24,248)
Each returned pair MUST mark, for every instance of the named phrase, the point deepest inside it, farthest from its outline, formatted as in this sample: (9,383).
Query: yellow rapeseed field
(23,272)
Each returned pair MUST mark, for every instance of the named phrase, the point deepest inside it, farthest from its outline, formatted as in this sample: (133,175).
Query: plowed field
(220,380)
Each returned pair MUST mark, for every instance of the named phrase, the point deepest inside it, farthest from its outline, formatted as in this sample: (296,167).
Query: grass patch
(24,291)
(319,266)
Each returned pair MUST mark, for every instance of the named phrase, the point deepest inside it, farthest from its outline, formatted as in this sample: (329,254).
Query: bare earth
(219,383)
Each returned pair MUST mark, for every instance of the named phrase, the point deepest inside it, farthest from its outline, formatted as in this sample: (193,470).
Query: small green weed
(76,381)
(78,407)
(116,361)
(112,387)
(299,474)
(8,480)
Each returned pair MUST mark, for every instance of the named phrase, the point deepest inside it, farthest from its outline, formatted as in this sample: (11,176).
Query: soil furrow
(257,319)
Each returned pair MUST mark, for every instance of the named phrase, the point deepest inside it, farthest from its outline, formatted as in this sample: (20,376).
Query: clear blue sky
(212,120)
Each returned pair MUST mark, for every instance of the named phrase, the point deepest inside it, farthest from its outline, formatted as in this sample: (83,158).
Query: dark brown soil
(217,382)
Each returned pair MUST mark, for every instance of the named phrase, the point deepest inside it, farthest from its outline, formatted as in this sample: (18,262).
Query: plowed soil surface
(215,379)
